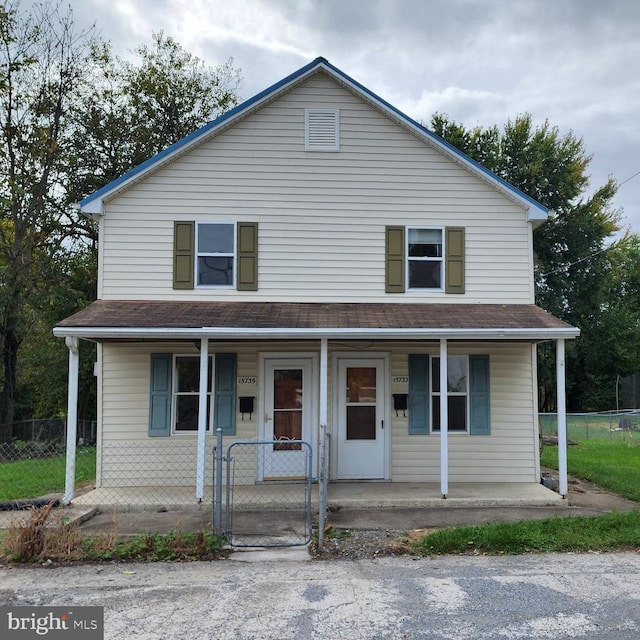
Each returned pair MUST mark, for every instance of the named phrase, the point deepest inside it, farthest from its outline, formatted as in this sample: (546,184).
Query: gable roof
(93,204)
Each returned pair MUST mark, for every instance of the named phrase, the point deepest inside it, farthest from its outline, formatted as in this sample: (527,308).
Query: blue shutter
(479,395)
(224,408)
(160,394)
(418,394)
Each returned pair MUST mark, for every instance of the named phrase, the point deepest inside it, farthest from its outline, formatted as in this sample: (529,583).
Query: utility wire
(637,173)
(593,255)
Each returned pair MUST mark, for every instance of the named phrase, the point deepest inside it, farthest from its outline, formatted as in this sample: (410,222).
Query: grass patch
(611,464)
(611,532)
(34,477)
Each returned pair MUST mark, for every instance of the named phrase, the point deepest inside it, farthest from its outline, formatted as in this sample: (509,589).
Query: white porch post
(562,418)
(72,418)
(323,448)
(202,416)
(444,420)
(324,368)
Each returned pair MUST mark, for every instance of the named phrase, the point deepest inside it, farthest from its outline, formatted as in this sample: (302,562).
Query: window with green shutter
(425,258)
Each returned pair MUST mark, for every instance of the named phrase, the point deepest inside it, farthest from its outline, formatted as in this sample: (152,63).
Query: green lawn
(36,477)
(611,464)
(610,532)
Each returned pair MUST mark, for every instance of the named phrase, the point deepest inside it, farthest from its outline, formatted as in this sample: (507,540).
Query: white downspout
(562,418)
(444,419)
(202,417)
(72,418)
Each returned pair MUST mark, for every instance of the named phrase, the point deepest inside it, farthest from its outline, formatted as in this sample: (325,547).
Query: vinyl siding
(507,455)
(128,457)
(321,216)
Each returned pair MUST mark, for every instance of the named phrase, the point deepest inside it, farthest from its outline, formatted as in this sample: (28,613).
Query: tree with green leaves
(132,111)
(572,255)
(73,118)
(42,58)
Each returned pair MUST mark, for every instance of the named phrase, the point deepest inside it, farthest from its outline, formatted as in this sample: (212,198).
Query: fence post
(217,500)
(322,488)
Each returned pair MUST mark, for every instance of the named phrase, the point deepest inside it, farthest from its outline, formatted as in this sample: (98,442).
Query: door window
(361,403)
(287,408)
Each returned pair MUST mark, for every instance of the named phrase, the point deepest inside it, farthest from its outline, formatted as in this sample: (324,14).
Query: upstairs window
(322,130)
(215,255)
(425,258)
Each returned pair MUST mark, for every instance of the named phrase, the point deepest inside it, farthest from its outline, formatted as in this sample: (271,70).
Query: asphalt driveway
(254,597)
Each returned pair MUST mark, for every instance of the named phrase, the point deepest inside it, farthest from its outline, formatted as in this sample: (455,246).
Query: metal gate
(267,493)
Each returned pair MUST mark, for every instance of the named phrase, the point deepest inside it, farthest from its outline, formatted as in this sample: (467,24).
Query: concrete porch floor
(352,495)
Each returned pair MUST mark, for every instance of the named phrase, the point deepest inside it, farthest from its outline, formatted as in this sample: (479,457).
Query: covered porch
(439,327)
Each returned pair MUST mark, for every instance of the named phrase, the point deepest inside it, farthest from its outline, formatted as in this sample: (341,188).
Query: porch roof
(135,319)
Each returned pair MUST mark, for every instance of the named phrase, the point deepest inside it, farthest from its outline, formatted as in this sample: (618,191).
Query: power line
(637,173)
(593,255)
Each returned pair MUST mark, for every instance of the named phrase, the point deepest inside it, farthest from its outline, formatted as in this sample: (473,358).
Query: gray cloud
(573,62)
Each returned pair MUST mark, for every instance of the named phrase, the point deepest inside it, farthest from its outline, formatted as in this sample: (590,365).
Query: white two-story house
(316,257)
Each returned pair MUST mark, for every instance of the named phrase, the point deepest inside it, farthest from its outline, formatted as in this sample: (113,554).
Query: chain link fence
(604,425)
(268,493)
(36,470)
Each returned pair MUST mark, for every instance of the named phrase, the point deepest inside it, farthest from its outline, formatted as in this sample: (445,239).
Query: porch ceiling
(122,319)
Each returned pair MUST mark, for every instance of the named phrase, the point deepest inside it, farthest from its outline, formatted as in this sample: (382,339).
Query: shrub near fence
(606,425)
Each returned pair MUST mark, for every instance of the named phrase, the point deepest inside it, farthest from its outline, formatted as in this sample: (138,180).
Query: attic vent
(321,130)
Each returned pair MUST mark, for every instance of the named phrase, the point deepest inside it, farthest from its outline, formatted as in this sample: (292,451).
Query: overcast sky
(575,63)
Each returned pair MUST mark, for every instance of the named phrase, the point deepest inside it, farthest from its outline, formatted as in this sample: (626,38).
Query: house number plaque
(400,379)
(248,380)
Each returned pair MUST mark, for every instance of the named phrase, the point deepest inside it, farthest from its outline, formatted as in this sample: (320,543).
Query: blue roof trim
(320,61)
(436,137)
(198,132)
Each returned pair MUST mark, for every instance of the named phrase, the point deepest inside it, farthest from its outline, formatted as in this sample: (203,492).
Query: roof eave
(338,333)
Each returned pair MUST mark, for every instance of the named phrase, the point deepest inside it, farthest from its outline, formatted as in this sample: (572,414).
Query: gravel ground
(356,544)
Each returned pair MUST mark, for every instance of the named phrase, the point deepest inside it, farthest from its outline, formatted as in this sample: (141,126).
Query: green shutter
(418,394)
(247,279)
(479,395)
(160,394)
(183,254)
(394,259)
(454,260)
(224,408)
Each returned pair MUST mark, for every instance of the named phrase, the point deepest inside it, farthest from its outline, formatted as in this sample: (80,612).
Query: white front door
(287,414)
(361,448)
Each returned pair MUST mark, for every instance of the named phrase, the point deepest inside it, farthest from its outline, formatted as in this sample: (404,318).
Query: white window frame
(425,259)
(175,393)
(309,144)
(435,395)
(204,254)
